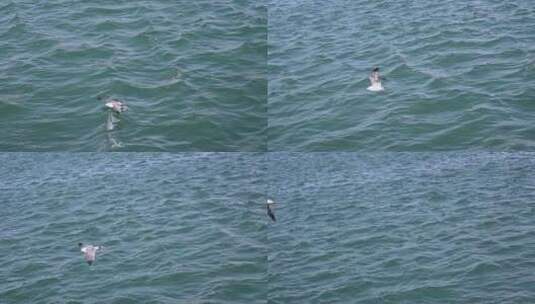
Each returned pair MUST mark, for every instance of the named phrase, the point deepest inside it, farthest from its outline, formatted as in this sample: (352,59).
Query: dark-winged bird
(270,204)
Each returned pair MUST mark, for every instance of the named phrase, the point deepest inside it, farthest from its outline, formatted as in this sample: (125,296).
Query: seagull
(270,204)
(375,81)
(116,105)
(89,252)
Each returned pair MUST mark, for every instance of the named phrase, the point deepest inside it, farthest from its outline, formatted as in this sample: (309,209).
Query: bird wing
(271,215)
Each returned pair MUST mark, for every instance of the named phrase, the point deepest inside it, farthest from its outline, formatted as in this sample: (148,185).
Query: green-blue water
(186,228)
(422,225)
(192,72)
(402,228)
(191,228)
(460,75)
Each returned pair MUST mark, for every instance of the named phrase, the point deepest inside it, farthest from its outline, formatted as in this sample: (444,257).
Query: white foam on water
(376,87)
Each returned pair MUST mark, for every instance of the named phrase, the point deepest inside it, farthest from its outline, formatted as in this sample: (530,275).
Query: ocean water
(459,75)
(402,228)
(176,228)
(192,72)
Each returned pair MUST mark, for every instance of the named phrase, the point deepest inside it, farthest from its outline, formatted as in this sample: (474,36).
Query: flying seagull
(116,105)
(113,104)
(89,252)
(375,81)
(270,204)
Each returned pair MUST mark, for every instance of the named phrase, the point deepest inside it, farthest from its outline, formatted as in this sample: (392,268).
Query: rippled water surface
(175,228)
(402,228)
(460,75)
(192,72)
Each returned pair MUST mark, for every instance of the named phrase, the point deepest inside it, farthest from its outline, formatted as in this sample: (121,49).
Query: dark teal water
(402,228)
(191,228)
(192,72)
(460,75)
(186,228)
(420,226)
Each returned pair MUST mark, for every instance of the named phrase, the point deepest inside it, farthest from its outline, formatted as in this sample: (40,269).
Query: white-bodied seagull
(270,204)
(89,251)
(116,105)
(375,80)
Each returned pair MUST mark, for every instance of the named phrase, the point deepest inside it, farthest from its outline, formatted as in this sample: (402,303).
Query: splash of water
(111,122)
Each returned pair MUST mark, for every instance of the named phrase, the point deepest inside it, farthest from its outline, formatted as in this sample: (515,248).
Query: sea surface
(192,72)
(402,228)
(460,75)
(176,228)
